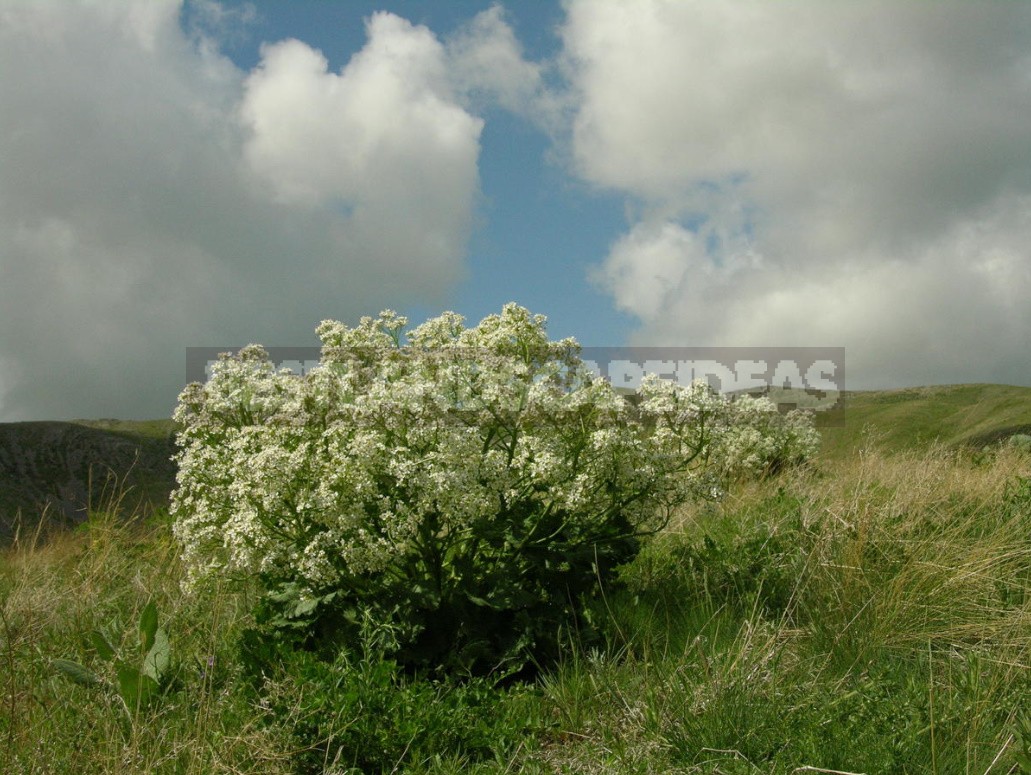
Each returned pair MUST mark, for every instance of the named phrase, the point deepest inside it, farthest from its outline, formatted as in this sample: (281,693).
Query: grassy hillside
(867,614)
(913,418)
(58,468)
(49,465)
(871,614)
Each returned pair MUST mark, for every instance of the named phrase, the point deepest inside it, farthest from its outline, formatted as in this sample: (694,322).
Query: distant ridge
(61,466)
(972,415)
(48,464)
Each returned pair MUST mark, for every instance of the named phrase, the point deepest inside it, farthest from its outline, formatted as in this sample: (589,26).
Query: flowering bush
(758,440)
(470,485)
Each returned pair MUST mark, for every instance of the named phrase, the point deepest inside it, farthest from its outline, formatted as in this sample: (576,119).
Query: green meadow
(869,613)
(911,419)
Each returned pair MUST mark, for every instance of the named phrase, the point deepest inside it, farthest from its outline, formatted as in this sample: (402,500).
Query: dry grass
(53,593)
(908,613)
(906,617)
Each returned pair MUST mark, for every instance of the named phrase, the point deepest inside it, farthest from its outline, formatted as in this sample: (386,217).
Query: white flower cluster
(758,440)
(391,450)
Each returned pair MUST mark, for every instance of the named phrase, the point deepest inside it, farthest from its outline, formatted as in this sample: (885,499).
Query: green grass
(871,614)
(913,418)
(133,429)
(872,617)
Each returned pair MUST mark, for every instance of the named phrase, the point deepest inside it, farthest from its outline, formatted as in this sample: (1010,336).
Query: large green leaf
(148,625)
(77,672)
(102,645)
(135,687)
(155,664)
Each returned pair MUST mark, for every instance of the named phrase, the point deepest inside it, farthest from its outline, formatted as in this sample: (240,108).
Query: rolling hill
(60,466)
(953,415)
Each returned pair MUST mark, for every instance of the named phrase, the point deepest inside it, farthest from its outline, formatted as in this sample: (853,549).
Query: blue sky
(538,230)
(182,173)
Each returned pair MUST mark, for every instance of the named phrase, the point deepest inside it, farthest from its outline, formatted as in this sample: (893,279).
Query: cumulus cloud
(380,141)
(488,66)
(818,173)
(646,269)
(155,197)
(950,310)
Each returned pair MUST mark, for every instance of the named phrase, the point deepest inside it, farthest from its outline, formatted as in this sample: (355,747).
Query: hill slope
(911,418)
(60,466)
(45,463)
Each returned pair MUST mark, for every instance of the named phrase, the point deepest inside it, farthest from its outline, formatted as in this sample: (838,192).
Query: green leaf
(102,645)
(77,673)
(148,625)
(135,687)
(306,606)
(286,593)
(156,662)
(1023,761)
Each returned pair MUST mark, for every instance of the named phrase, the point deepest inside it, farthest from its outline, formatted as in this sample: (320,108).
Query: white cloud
(487,65)
(384,142)
(155,197)
(953,309)
(646,269)
(316,135)
(822,173)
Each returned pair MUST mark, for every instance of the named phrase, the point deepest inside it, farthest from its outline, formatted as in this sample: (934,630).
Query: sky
(192,173)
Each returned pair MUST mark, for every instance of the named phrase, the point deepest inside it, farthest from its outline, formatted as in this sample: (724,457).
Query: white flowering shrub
(468,485)
(759,441)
